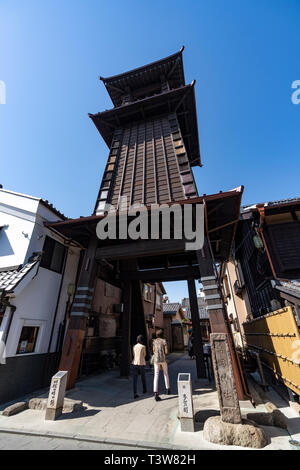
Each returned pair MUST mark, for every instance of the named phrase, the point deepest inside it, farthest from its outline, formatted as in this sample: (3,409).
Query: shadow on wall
(5,246)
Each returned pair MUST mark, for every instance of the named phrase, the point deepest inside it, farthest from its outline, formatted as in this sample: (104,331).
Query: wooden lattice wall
(276,337)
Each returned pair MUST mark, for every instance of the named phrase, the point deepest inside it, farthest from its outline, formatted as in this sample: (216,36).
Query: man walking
(139,364)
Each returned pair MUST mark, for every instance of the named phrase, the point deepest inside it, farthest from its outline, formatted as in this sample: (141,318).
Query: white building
(38,272)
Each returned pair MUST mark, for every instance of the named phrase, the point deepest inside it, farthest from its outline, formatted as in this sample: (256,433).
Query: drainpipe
(45,376)
(60,341)
(58,299)
(261,210)
(12,311)
(6,328)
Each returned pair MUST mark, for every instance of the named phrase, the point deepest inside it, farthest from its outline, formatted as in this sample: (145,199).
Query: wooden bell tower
(152,136)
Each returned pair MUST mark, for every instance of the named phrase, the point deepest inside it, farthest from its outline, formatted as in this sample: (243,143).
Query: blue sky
(243,54)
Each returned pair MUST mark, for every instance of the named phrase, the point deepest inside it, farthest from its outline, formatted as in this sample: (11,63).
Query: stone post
(225,383)
(229,428)
(185,403)
(56,395)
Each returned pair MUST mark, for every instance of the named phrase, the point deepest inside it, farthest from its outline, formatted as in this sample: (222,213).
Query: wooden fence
(276,338)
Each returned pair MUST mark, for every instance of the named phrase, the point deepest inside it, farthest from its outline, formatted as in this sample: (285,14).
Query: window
(147,292)
(27,339)
(158,301)
(53,255)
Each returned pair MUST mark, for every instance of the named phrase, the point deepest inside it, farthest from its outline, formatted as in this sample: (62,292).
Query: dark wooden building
(152,136)
(267,248)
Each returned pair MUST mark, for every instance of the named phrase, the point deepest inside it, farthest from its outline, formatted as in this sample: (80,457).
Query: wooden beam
(140,248)
(113,87)
(170,73)
(126,330)
(235,221)
(162,275)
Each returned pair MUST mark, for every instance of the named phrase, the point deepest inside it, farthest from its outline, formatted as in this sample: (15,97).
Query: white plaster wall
(236,305)
(20,201)
(23,219)
(36,306)
(14,237)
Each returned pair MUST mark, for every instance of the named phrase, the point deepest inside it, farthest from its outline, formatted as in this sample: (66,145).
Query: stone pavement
(112,417)
(9,441)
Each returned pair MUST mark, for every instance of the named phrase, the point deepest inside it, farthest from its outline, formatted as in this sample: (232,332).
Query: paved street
(111,415)
(22,442)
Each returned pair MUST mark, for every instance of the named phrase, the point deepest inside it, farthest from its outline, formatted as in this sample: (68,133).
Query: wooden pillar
(138,321)
(197,341)
(72,348)
(126,329)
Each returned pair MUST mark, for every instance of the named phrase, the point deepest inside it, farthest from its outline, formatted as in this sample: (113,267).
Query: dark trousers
(136,371)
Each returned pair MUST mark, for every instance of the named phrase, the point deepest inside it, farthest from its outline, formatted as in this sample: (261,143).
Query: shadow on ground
(85,413)
(201,416)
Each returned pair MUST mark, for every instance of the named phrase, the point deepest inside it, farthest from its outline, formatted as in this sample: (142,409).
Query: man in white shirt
(139,364)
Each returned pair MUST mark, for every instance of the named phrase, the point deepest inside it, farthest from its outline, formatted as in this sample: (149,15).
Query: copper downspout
(261,210)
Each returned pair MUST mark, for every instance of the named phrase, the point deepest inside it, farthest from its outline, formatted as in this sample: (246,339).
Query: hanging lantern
(258,243)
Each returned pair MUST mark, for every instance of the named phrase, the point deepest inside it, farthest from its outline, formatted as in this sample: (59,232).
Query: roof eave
(142,68)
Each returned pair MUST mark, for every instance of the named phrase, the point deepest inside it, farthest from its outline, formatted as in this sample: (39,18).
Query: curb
(78,437)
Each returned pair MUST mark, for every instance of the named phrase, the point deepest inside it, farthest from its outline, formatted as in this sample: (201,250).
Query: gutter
(58,299)
(66,239)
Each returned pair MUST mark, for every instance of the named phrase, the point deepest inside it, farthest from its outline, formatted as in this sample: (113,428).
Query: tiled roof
(291,288)
(203,315)
(271,203)
(10,278)
(171,308)
(50,206)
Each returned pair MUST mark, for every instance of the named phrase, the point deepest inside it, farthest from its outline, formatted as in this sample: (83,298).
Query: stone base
(187,424)
(15,408)
(246,434)
(53,413)
(276,418)
(69,404)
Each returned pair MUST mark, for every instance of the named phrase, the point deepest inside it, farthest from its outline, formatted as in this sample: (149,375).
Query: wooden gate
(276,337)
(177,337)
